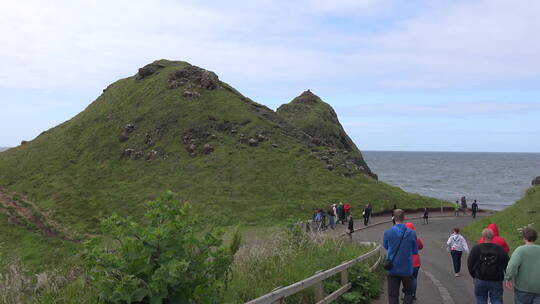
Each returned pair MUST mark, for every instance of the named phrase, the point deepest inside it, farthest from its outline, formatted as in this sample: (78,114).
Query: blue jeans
(523,297)
(488,289)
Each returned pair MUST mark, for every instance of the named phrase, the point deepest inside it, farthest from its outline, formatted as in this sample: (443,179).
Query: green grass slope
(524,212)
(176,127)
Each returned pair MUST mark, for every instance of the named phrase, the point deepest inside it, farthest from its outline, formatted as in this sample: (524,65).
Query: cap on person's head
(399,215)
(488,234)
(529,234)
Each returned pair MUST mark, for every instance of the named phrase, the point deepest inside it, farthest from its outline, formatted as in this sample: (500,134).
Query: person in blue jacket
(402,270)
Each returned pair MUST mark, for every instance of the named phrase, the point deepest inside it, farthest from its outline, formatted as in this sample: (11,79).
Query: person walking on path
(456,208)
(369,211)
(341,213)
(332,217)
(523,270)
(456,244)
(416,260)
(497,239)
(487,263)
(366,214)
(464,205)
(401,245)
(350,226)
(347,209)
(474,208)
(426,216)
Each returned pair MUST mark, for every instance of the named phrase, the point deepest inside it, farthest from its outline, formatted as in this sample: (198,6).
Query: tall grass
(287,257)
(18,285)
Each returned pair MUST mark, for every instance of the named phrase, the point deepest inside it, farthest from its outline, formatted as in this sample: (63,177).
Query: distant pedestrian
(464,205)
(350,226)
(369,212)
(365,214)
(426,216)
(487,263)
(393,209)
(401,244)
(416,260)
(456,244)
(347,209)
(341,213)
(523,270)
(497,239)
(331,217)
(456,208)
(474,208)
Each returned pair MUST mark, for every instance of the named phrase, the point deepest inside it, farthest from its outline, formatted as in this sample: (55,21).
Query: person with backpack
(402,245)
(456,244)
(497,239)
(474,208)
(426,216)
(523,270)
(416,260)
(487,263)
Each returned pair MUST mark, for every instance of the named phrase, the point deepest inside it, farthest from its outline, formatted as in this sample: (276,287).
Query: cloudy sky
(460,75)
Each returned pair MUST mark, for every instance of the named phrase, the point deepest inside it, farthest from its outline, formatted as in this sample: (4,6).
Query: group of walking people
(462,207)
(333,215)
(488,263)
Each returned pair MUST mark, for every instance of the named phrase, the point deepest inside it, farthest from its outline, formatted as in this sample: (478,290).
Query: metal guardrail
(316,281)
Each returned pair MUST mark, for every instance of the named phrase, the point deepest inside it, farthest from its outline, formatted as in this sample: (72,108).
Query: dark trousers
(474,214)
(366,220)
(492,290)
(394,282)
(456,259)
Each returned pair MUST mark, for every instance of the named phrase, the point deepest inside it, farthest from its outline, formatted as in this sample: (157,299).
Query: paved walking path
(436,281)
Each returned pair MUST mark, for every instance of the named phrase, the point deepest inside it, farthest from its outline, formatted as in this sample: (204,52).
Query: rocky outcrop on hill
(536,181)
(331,143)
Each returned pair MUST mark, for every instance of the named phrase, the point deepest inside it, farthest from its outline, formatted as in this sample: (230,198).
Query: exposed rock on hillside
(536,181)
(194,77)
(317,119)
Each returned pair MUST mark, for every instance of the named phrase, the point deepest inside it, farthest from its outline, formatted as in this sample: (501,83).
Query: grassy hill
(524,212)
(174,126)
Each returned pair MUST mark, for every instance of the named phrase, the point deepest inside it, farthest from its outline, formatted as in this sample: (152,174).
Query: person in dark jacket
(341,213)
(474,208)
(367,214)
(464,205)
(402,245)
(426,216)
(487,263)
(350,227)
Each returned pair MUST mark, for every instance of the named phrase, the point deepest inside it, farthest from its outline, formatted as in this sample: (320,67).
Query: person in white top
(456,244)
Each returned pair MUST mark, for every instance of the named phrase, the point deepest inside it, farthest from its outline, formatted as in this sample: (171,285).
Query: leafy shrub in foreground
(162,259)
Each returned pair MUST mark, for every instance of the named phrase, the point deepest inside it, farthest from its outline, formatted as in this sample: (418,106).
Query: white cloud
(90,44)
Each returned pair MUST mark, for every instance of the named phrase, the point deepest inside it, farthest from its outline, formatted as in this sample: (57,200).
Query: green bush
(163,258)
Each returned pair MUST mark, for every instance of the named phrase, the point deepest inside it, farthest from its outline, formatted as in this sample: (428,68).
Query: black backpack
(488,264)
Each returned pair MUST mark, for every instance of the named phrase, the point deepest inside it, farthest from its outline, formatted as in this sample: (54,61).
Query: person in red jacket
(416,260)
(347,209)
(499,240)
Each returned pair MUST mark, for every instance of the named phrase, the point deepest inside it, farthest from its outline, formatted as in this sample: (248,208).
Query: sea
(495,180)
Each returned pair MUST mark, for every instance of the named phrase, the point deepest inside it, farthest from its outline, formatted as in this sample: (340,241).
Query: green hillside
(174,126)
(524,212)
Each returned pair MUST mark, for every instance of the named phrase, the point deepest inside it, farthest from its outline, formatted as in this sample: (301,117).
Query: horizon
(415,76)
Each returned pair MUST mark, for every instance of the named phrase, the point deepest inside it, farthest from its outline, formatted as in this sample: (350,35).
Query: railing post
(319,289)
(344,277)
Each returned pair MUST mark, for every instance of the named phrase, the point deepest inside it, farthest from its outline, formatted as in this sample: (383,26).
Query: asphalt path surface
(436,280)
